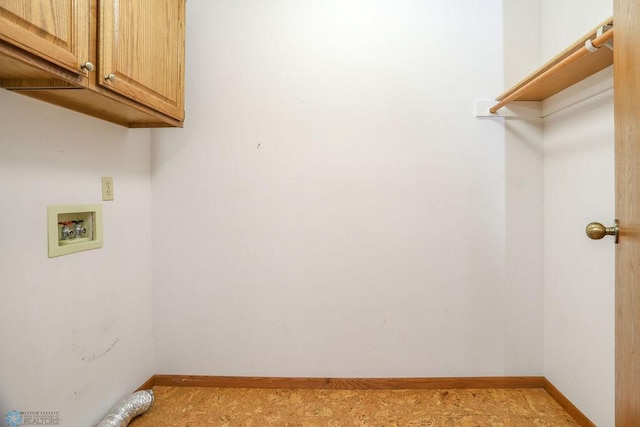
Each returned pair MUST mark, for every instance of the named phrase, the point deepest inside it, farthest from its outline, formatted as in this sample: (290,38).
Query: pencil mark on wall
(77,394)
(100,354)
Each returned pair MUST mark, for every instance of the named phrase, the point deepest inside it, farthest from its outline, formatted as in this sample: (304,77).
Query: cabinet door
(142,52)
(56,30)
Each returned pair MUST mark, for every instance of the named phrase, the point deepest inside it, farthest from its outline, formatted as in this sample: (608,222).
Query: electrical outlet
(107,188)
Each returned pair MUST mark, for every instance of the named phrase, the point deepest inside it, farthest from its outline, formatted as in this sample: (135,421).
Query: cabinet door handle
(111,77)
(87,66)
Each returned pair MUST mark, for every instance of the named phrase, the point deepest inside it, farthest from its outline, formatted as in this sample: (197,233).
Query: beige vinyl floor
(205,406)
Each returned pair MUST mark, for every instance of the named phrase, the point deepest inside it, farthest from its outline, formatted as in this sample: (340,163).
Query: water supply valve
(78,229)
(67,230)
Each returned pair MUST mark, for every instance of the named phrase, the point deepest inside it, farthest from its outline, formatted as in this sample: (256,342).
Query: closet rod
(597,42)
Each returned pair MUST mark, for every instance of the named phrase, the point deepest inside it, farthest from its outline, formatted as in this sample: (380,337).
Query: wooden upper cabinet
(57,30)
(124,57)
(141,52)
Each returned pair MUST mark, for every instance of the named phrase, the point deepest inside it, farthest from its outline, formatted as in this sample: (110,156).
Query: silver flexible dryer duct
(131,406)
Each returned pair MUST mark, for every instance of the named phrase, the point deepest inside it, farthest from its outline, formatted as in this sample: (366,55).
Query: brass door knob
(597,231)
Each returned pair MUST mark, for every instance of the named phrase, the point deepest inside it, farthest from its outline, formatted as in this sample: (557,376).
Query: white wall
(524,196)
(332,207)
(76,330)
(579,188)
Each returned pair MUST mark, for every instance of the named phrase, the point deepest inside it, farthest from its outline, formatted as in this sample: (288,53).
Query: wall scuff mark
(96,356)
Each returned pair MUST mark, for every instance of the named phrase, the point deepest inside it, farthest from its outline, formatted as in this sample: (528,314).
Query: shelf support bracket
(516,110)
(601,31)
(609,43)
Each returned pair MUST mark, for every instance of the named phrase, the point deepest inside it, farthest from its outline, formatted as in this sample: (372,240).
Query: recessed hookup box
(74,228)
